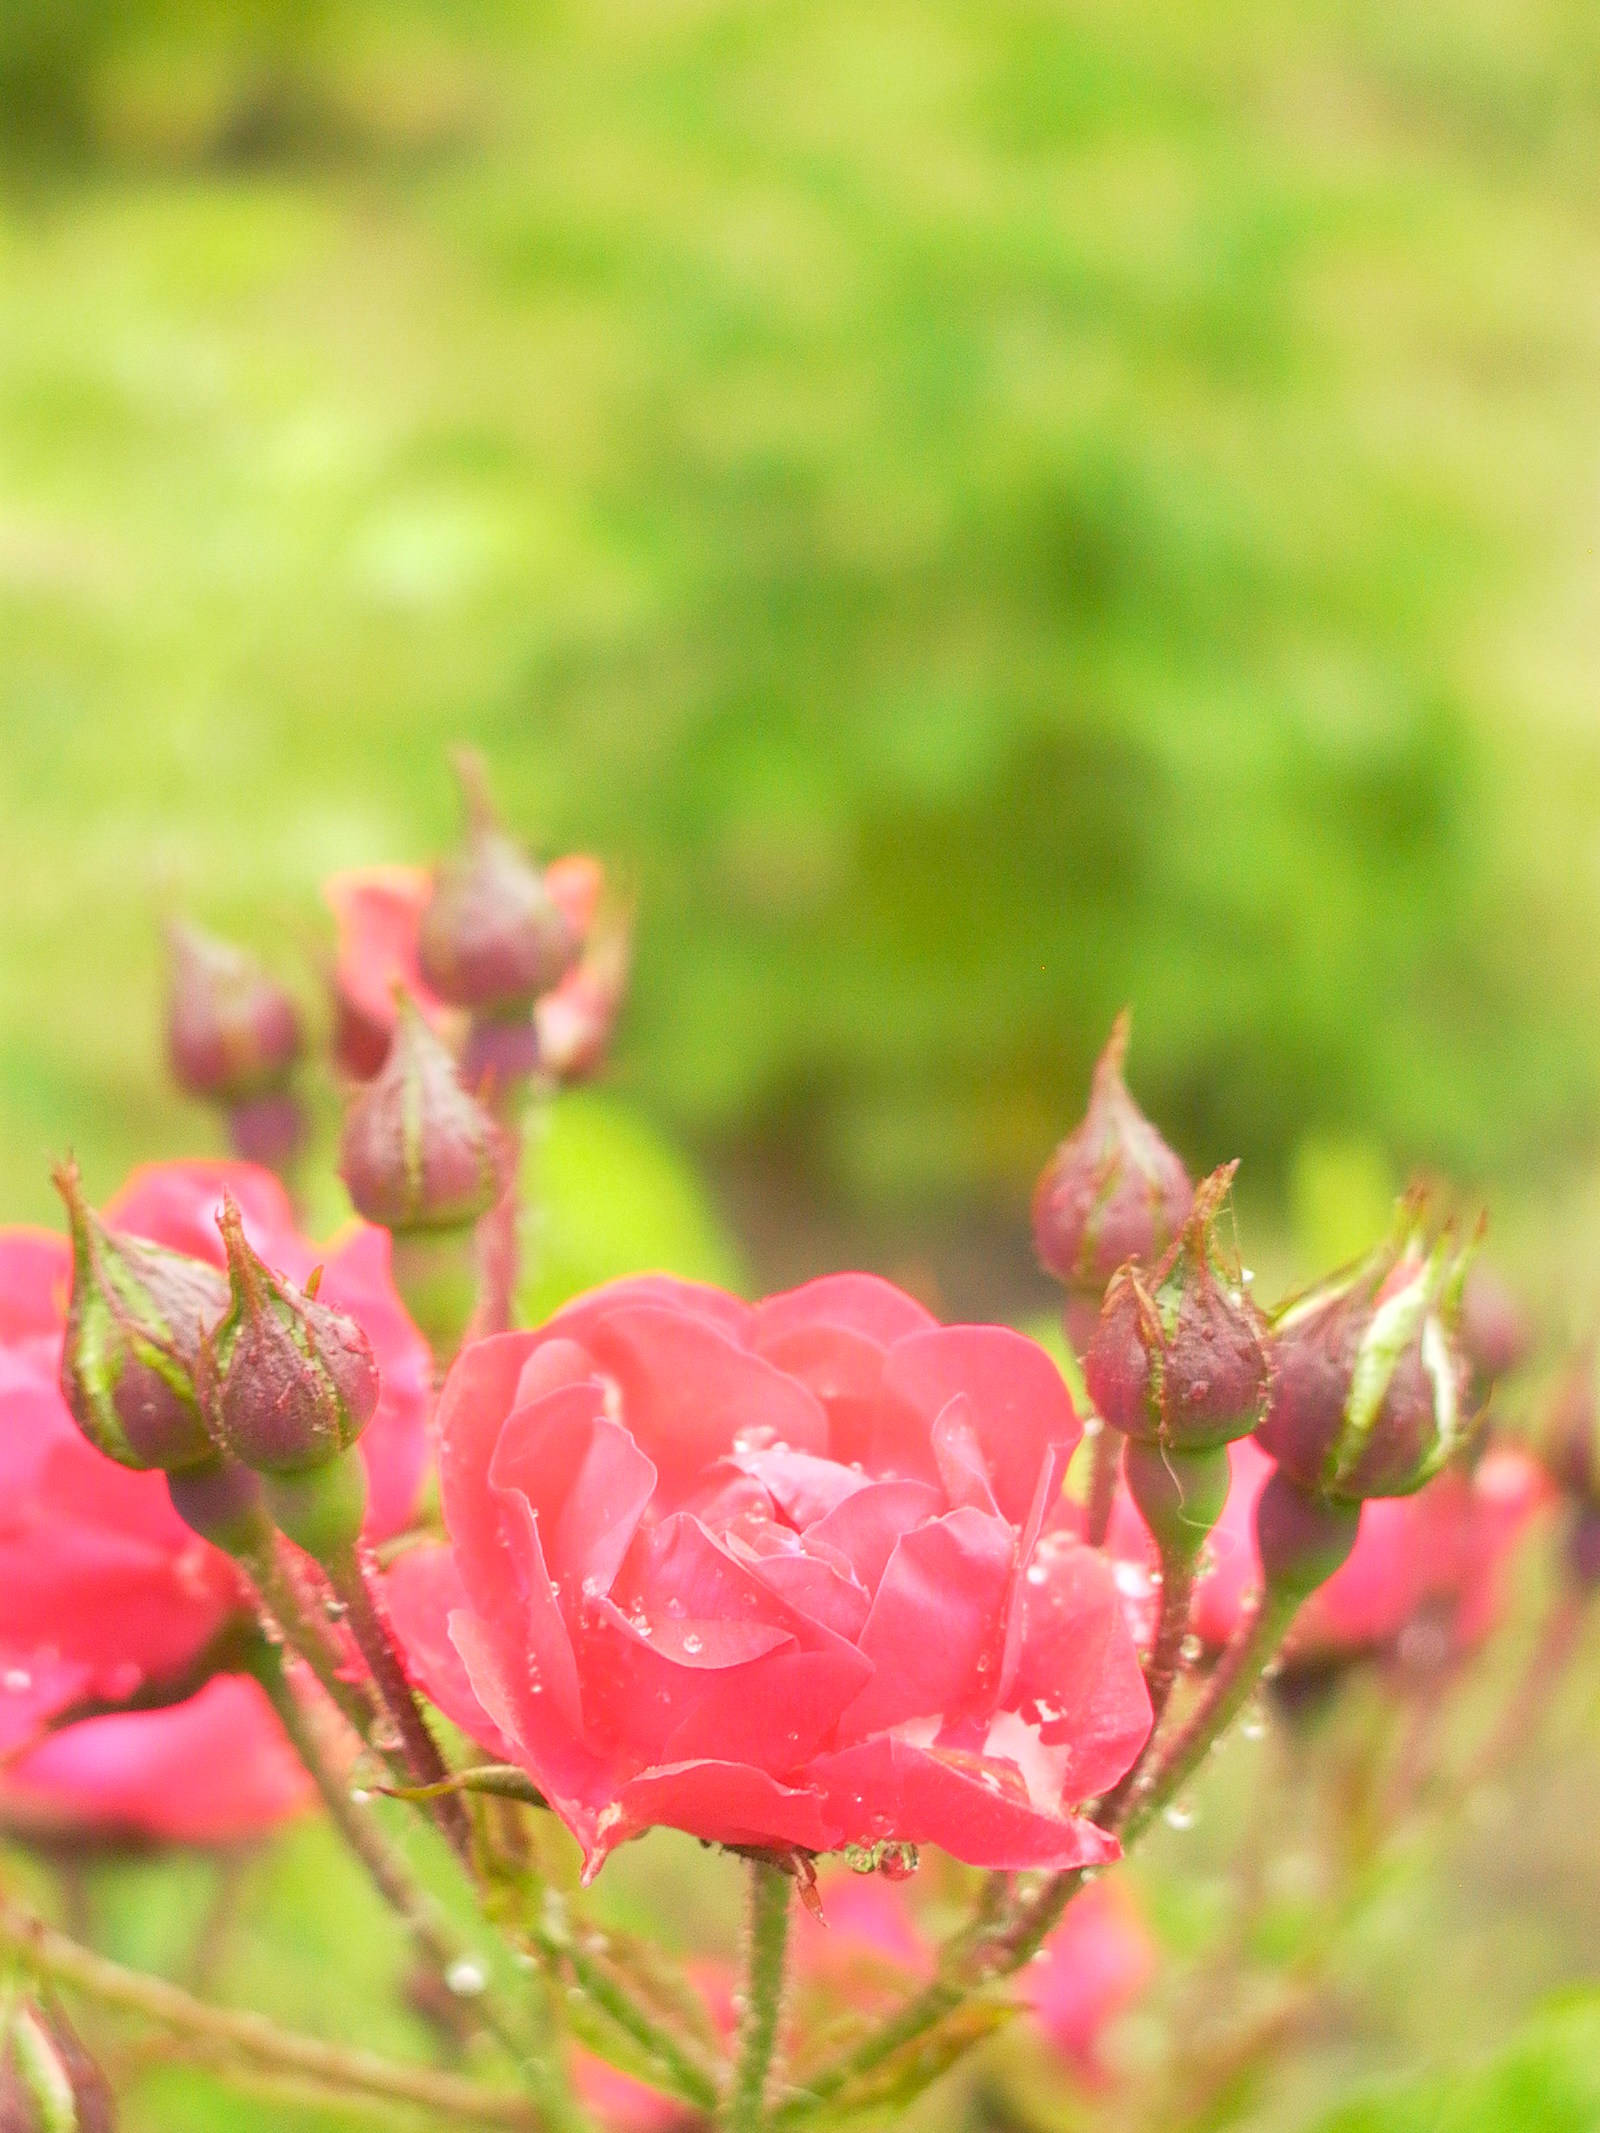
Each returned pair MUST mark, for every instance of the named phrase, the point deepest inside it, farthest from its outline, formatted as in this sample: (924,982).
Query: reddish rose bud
(1113,1190)
(1370,1392)
(286,1385)
(1302,1538)
(133,1333)
(1179,1356)
(418,1152)
(48,2081)
(492,937)
(233,1032)
(1570,1438)
(1494,1327)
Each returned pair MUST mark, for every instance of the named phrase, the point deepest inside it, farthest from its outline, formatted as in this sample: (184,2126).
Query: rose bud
(286,1388)
(1113,1190)
(233,1032)
(1179,1356)
(48,2082)
(1370,1390)
(418,1152)
(492,937)
(1494,1327)
(1570,1454)
(132,1337)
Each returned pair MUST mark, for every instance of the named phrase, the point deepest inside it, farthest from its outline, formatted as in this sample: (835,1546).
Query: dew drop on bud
(360,1795)
(1179,1815)
(466,1977)
(1253,1725)
(1191,1648)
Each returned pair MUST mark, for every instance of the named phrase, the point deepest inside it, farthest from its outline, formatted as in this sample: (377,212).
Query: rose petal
(583,1477)
(867,1526)
(1078,1676)
(888,1787)
(935,1621)
(1019,1400)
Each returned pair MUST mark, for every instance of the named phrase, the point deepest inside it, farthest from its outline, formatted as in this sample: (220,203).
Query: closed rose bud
(1570,1438)
(418,1152)
(1494,1327)
(1370,1391)
(286,1385)
(233,1032)
(492,936)
(133,1333)
(48,2081)
(1179,1356)
(1113,1190)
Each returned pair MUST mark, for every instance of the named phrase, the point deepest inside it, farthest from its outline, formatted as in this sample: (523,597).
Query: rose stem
(1105,1459)
(424,1764)
(683,2072)
(1254,1646)
(763,1995)
(347,2070)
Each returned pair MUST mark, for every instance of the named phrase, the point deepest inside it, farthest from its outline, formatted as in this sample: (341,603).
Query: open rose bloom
(105,1592)
(776,1575)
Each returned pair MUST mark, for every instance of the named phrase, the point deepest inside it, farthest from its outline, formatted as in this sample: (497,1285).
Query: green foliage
(608,1196)
(1546,2080)
(983,512)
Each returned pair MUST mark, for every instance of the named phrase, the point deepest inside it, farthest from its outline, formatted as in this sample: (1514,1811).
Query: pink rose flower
(772,1574)
(103,1588)
(211,1770)
(1093,1968)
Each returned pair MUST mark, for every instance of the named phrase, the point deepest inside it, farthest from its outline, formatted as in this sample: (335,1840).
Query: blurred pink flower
(103,1588)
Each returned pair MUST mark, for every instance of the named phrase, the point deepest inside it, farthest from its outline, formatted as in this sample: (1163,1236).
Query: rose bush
(772,1574)
(103,1589)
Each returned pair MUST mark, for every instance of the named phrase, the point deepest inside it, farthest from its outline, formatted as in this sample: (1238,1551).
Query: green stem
(355,1824)
(680,2070)
(348,2071)
(1229,1689)
(763,1995)
(424,1764)
(1105,1460)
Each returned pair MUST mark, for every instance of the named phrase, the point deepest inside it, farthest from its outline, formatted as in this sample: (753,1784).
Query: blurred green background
(979,512)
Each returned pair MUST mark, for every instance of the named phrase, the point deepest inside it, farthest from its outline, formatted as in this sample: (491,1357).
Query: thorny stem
(1172,1626)
(343,2069)
(1237,1672)
(424,1764)
(679,2069)
(763,1995)
(1557,1642)
(354,1824)
(270,1571)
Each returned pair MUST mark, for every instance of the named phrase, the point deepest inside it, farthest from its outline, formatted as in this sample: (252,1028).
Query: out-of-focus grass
(984,511)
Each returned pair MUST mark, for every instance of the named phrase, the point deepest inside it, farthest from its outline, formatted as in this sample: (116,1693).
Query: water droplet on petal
(693,1644)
